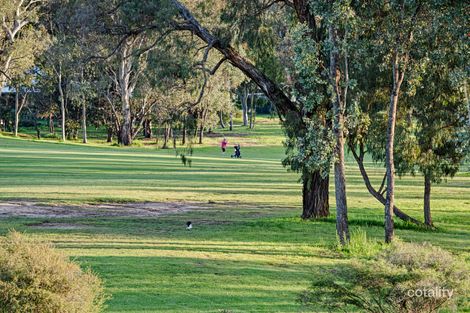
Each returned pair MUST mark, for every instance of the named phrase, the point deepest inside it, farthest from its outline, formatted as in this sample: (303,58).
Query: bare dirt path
(143,209)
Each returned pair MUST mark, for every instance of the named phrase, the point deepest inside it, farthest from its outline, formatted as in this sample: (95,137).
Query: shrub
(50,136)
(411,278)
(360,245)
(34,277)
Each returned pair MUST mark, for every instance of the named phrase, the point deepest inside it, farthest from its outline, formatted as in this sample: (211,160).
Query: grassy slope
(250,253)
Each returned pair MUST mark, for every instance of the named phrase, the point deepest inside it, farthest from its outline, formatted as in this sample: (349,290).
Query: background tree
(369,122)
(21,37)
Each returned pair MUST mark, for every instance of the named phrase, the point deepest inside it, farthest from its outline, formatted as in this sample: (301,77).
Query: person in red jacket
(223,145)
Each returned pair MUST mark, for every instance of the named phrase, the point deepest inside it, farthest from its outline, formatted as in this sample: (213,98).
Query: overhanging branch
(275,94)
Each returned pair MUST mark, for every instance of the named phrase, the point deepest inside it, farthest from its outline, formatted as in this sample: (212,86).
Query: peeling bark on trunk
(342,228)
(315,197)
(427,200)
(124,81)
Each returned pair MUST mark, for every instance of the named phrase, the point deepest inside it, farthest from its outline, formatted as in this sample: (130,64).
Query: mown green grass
(248,252)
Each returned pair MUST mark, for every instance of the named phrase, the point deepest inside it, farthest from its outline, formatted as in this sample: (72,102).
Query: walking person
(223,145)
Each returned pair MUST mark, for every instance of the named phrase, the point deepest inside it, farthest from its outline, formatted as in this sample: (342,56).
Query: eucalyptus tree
(22,40)
(21,37)
(243,95)
(123,34)
(407,40)
(23,86)
(62,59)
(82,93)
(218,98)
(315,191)
(435,103)
(401,22)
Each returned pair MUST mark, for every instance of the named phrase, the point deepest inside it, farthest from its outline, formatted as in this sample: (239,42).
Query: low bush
(360,245)
(50,136)
(34,277)
(403,278)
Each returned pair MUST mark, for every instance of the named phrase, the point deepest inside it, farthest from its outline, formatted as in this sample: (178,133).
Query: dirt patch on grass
(142,209)
(49,225)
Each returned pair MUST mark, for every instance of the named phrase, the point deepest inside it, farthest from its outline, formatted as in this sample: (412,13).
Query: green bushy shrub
(403,278)
(50,136)
(360,245)
(34,277)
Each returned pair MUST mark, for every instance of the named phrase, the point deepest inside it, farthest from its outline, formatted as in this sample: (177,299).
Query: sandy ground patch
(142,209)
(50,225)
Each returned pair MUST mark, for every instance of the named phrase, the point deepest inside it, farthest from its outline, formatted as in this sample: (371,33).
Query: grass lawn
(248,252)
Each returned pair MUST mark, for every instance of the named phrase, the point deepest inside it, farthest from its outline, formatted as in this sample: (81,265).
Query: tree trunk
(38,131)
(221,120)
(173,135)
(252,110)
(392,116)
(231,122)
(51,123)
(244,101)
(126,136)
(201,134)
(148,129)
(390,198)
(254,115)
(166,137)
(377,194)
(110,135)
(85,137)
(124,80)
(17,111)
(338,126)
(62,104)
(427,200)
(183,141)
(315,196)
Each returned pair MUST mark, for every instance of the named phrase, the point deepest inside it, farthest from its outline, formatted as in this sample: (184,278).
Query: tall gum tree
(315,185)
(20,38)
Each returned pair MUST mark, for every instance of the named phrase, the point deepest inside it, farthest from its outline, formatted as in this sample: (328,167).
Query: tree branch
(282,102)
(360,162)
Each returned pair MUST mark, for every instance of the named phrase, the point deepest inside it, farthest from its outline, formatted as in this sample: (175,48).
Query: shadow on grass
(185,284)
